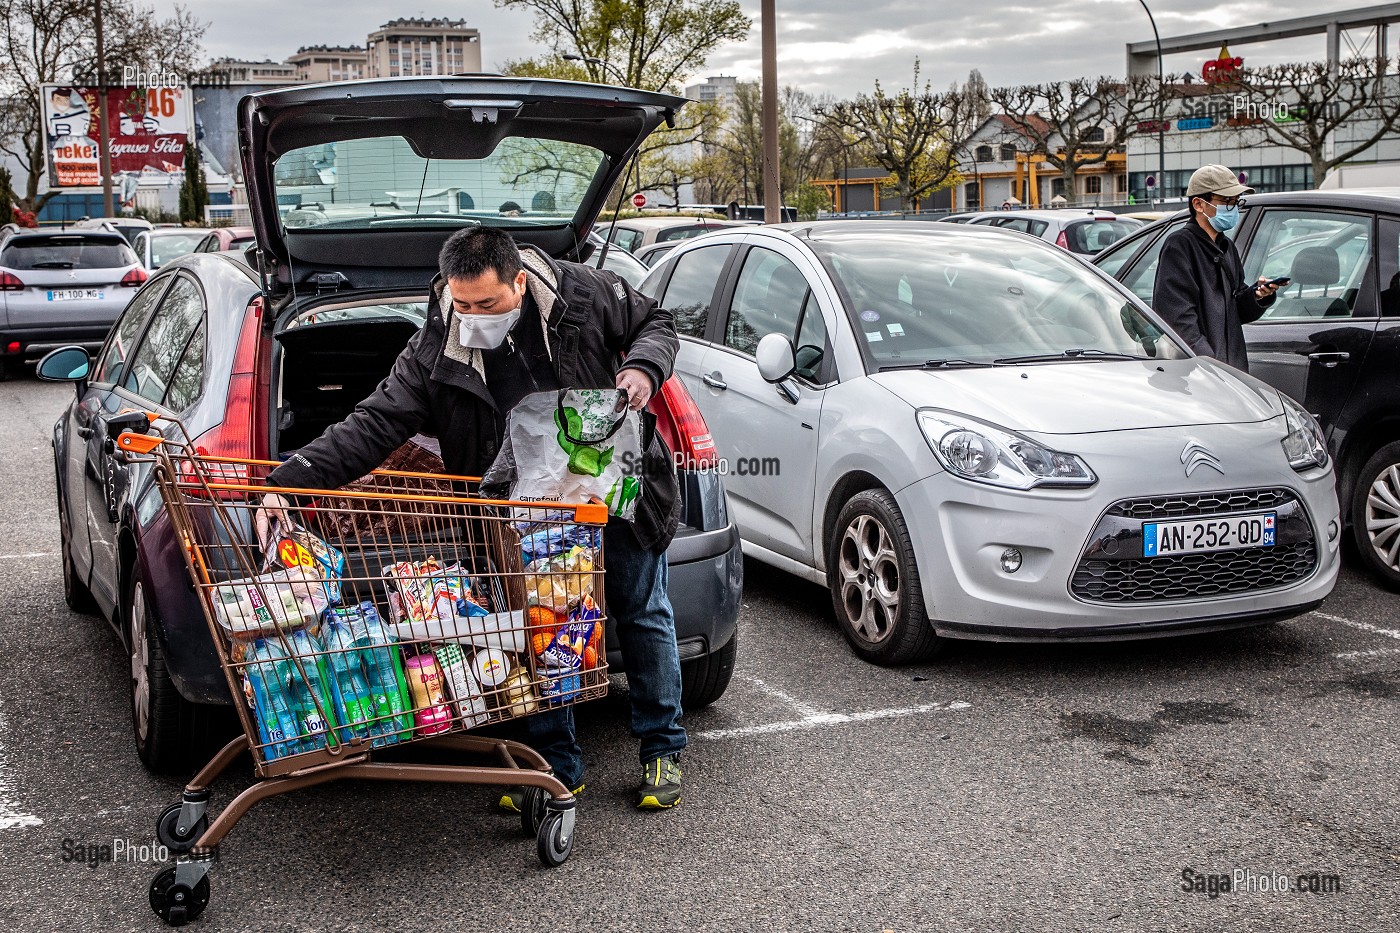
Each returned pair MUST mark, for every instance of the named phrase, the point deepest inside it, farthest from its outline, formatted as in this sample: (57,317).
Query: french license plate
(76,294)
(1209,533)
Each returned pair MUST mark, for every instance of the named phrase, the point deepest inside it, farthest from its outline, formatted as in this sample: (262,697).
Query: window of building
(982,154)
(1008,153)
(1057,187)
(1093,184)
(1094,134)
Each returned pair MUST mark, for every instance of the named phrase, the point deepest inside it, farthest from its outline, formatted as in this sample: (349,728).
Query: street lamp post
(600,62)
(1161,103)
(104,134)
(845,161)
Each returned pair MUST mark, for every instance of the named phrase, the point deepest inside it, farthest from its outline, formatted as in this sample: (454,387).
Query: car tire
(874,583)
(172,735)
(75,592)
(1375,515)
(704,679)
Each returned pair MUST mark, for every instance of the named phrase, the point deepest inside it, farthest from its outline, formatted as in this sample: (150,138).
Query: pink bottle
(430,711)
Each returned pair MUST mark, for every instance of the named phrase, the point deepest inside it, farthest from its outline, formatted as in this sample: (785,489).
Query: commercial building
(719,89)
(1207,120)
(423,47)
(318,64)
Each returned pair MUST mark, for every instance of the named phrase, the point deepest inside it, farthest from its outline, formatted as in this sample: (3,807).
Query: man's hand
(1264,289)
(273,511)
(637,385)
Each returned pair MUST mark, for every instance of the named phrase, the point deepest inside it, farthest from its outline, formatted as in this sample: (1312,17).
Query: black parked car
(1331,340)
(258,363)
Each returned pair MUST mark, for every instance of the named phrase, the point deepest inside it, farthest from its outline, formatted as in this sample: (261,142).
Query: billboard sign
(148,127)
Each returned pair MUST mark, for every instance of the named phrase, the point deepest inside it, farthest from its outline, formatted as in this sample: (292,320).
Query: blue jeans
(640,607)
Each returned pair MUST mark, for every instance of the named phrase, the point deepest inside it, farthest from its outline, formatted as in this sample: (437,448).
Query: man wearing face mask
(1200,289)
(503,322)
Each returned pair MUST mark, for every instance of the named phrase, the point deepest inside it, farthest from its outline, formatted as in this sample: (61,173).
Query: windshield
(168,246)
(978,298)
(381,182)
(66,251)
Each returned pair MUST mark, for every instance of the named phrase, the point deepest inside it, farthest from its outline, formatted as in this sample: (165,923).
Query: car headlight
(1304,445)
(986,453)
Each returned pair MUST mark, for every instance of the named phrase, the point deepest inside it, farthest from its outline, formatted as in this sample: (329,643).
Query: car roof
(188,231)
(680,221)
(1061,213)
(92,233)
(1373,199)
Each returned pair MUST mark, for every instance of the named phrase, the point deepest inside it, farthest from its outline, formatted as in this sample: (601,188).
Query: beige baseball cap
(1216,179)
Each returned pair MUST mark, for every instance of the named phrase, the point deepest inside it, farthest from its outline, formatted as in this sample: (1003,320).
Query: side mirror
(66,364)
(775,358)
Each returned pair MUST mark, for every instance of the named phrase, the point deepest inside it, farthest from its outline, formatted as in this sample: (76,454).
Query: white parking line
(797,705)
(1373,653)
(817,720)
(23,556)
(1363,626)
(11,817)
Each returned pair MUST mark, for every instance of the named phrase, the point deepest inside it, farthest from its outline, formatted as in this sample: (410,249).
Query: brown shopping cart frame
(431,525)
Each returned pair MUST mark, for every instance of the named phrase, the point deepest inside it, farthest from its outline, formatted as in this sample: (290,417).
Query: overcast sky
(824,46)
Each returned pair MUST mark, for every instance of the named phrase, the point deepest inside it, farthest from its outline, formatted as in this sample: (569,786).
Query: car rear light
(9,282)
(13,347)
(243,433)
(134,278)
(1062,241)
(683,427)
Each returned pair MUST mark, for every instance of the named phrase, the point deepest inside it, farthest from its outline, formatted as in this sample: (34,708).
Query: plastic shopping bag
(573,445)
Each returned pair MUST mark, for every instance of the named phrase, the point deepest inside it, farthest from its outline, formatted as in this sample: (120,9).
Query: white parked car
(965,433)
(1080,230)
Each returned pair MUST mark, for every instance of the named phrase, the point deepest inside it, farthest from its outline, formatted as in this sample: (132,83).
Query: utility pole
(772,193)
(104,138)
(1161,106)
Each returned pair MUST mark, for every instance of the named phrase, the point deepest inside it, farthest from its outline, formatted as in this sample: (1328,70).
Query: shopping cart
(400,610)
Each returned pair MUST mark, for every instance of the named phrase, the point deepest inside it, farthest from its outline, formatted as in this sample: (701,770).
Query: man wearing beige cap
(1200,289)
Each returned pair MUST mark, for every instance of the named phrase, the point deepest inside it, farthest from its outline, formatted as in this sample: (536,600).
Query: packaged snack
(563,659)
(430,707)
(560,582)
(428,590)
(260,605)
(538,540)
(519,694)
(291,547)
(464,687)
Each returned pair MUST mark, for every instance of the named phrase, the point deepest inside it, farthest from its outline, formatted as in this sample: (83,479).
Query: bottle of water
(307,693)
(277,727)
(350,691)
(384,673)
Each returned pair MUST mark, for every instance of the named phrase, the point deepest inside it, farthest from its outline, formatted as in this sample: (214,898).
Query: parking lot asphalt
(999,787)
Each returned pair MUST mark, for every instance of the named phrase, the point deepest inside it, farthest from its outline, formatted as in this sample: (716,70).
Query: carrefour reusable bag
(573,445)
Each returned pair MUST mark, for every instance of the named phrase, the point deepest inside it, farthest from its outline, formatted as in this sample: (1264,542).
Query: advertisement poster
(149,128)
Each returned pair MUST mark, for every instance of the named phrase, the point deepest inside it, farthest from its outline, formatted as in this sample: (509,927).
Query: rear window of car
(66,251)
(682,233)
(1091,236)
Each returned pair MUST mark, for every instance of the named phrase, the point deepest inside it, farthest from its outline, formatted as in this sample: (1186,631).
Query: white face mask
(485,331)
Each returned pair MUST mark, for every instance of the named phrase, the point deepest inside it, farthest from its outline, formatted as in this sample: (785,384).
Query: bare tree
(1078,123)
(1303,104)
(53,41)
(914,133)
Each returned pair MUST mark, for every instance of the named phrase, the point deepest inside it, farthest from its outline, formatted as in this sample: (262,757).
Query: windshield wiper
(1072,354)
(935,364)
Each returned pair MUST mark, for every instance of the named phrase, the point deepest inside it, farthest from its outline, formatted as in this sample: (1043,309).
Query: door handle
(714,380)
(1329,358)
(83,431)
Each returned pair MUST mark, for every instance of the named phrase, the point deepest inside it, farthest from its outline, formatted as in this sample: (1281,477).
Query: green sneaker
(512,800)
(661,784)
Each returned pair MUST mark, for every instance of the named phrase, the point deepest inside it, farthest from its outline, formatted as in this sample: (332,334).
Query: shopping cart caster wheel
(178,904)
(168,830)
(532,811)
(555,839)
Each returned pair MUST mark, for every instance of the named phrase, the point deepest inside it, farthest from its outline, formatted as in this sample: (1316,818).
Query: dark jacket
(594,324)
(1198,292)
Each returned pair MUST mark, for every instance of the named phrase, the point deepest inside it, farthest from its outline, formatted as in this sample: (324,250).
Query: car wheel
(704,679)
(875,583)
(1375,515)
(173,735)
(75,591)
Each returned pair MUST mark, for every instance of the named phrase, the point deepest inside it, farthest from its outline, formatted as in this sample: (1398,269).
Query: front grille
(1112,570)
(1167,507)
(1193,576)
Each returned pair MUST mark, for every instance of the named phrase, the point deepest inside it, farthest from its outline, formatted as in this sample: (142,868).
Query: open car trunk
(327,368)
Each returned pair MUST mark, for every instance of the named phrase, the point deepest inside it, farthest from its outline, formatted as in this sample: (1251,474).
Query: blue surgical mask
(1225,218)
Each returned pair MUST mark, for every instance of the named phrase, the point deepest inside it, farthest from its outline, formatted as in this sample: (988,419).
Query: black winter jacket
(595,325)
(1198,292)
